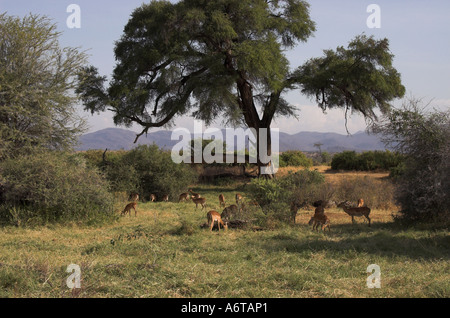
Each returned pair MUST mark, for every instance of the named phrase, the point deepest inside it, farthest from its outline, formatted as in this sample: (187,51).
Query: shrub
(366,161)
(53,187)
(422,186)
(377,194)
(148,169)
(295,158)
(275,195)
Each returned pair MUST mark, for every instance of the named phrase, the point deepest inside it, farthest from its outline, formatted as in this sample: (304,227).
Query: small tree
(423,189)
(37,79)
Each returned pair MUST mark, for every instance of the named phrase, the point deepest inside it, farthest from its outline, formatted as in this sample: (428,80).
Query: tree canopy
(226,59)
(37,79)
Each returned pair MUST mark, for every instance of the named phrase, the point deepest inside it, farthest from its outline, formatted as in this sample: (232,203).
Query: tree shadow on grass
(380,240)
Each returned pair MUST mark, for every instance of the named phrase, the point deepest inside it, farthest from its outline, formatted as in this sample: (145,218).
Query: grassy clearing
(164,253)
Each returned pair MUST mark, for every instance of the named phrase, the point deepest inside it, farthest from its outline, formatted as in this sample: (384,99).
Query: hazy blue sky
(419,34)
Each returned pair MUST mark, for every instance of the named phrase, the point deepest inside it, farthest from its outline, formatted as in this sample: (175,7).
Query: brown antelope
(229,212)
(214,216)
(320,219)
(152,197)
(238,198)
(352,211)
(165,198)
(128,208)
(133,197)
(360,203)
(194,195)
(198,201)
(295,206)
(221,200)
(183,197)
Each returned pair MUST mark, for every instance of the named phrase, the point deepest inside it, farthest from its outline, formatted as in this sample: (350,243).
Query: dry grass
(164,253)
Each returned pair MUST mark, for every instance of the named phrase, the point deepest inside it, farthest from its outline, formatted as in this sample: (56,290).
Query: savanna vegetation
(59,207)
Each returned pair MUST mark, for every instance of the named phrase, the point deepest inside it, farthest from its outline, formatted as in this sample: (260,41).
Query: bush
(276,195)
(53,187)
(377,194)
(150,170)
(293,158)
(422,185)
(366,161)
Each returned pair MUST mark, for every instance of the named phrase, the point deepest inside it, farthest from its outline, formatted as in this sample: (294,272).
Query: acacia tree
(225,59)
(37,79)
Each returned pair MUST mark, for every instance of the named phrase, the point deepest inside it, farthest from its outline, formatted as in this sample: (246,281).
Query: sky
(418,33)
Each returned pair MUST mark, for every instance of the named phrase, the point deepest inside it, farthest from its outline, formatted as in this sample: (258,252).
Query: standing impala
(360,203)
(221,200)
(194,195)
(320,219)
(352,211)
(214,216)
(238,198)
(198,201)
(183,197)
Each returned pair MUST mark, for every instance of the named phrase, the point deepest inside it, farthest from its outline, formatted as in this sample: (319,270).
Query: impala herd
(319,219)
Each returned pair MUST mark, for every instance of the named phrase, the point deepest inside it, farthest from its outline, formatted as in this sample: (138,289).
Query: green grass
(164,253)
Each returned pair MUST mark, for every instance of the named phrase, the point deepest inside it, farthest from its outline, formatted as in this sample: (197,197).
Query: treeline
(367,161)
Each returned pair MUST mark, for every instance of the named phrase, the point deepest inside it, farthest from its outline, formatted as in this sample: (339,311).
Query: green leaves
(37,77)
(359,78)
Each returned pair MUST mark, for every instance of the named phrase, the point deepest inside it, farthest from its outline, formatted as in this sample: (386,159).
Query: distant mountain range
(117,138)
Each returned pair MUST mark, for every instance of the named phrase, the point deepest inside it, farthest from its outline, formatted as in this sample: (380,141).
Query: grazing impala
(128,208)
(133,197)
(238,198)
(221,200)
(183,197)
(214,216)
(198,201)
(152,197)
(352,211)
(165,198)
(194,195)
(320,219)
(360,203)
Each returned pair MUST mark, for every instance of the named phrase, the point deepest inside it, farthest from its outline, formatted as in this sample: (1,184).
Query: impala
(352,211)
(152,197)
(360,203)
(214,216)
(238,198)
(128,208)
(198,201)
(320,219)
(183,197)
(221,200)
(194,195)
(166,198)
(133,197)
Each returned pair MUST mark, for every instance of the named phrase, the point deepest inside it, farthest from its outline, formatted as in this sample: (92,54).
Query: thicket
(276,195)
(367,161)
(294,158)
(423,137)
(146,170)
(53,186)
